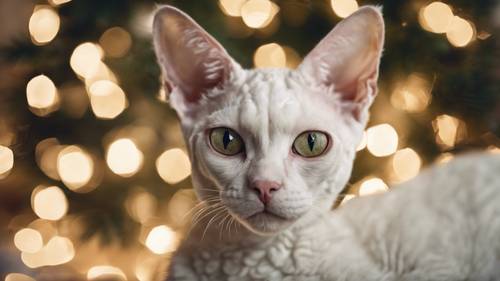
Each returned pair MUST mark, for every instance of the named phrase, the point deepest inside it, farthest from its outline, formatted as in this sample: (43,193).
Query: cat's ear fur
(346,61)
(192,61)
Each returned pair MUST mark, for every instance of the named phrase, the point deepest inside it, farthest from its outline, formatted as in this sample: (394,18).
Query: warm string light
(116,42)
(412,94)
(347,197)
(343,8)
(59,250)
(46,152)
(6,161)
(270,55)
(231,7)
(49,203)
(58,2)
(180,206)
(107,99)
(43,25)
(18,277)
(438,17)
(28,240)
(75,167)
(161,240)
(405,164)
(41,94)
(362,143)
(444,158)
(105,272)
(141,206)
(124,158)
(173,165)
(372,186)
(381,140)
(258,13)
(449,130)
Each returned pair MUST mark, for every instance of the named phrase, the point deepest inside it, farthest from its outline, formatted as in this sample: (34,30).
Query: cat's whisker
(208,213)
(200,213)
(217,215)
(205,212)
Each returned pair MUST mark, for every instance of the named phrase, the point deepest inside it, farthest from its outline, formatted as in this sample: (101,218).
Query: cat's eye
(310,144)
(226,141)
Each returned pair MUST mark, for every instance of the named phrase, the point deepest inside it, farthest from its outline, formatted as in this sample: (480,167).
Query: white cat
(272,148)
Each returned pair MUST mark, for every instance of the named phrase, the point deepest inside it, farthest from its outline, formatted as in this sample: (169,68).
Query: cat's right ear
(192,61)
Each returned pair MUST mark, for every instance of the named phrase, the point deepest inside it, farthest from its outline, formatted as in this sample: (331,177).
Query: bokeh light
(58,2)
(258,13)
(173,165)
(372,186)
(146,268)
(493,149)
(449,130)
(161,240)
(59,250)
(86,58)
(41,93)
(107,99)
(6,161)
(75,167)
(141,206)
(269,55)
(293,58)
(18,277)
(28,240)
(106,272)
(413,94)
(436,17)
(346,198)
(406,164)
(50,203)
(46,153)
(43,25)
(116,42)
(445,158)
(362,143)
(382,140)
(124,158)
(344,8)
(460,32)
(180,207)
(231,7)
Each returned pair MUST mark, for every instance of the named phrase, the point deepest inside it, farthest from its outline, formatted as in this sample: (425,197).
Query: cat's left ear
(347,60)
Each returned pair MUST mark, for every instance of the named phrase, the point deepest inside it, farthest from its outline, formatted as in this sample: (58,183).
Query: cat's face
(271,146)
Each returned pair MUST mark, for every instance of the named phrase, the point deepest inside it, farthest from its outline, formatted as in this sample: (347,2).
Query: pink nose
(265,189)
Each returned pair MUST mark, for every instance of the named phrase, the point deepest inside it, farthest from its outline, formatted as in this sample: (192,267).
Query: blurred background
(94,176)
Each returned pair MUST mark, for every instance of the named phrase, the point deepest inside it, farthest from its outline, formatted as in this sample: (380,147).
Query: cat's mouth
(266,214)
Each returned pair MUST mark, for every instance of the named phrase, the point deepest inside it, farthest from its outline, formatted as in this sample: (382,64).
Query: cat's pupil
(311,139)
(227,138)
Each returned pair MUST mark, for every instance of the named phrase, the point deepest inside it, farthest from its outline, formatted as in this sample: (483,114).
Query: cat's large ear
(347,60)
(192,61)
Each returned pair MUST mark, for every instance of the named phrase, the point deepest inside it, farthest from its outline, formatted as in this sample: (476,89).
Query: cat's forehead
(267,100)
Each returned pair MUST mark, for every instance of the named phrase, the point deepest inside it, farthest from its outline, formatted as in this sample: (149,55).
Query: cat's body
(443,225)
(271,150)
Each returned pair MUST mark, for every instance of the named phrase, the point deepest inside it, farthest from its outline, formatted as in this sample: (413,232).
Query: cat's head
(271,146)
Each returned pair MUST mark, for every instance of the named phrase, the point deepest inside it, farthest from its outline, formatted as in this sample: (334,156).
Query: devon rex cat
(271,150)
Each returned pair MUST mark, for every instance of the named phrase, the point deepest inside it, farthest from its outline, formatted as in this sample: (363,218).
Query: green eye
(226,141)
(310,144)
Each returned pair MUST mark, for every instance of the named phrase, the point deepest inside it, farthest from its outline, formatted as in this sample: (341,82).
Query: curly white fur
(443,225)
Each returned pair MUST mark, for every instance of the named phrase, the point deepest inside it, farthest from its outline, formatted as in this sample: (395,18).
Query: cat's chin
(266,223)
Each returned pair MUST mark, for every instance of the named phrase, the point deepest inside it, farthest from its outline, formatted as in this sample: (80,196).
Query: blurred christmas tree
(93,169)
